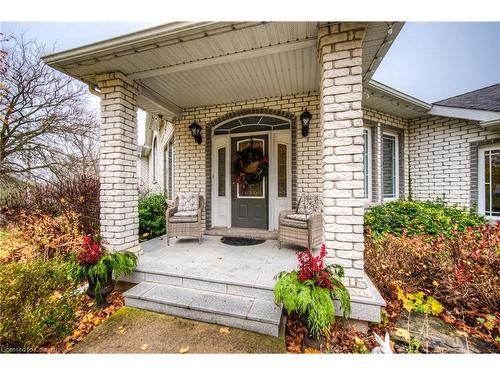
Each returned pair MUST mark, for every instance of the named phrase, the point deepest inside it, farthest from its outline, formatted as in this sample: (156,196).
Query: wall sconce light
(305,119)
(196,132)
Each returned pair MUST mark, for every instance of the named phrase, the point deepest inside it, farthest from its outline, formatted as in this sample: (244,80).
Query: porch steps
(197,303)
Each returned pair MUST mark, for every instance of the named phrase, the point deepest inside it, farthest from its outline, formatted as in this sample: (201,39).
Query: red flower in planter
(314,268)
(91,251)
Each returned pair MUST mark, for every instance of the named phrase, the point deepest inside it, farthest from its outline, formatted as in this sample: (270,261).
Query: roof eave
(380,87)
(464,113)
(122,41)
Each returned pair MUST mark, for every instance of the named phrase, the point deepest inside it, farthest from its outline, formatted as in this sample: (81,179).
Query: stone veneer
(341,91)
(444,158)
(118,162)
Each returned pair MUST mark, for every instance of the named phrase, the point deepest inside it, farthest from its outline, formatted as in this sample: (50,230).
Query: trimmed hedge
(419,218)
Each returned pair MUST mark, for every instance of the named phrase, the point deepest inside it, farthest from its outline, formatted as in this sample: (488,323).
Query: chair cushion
(186,213)
(294,223)
(183,219)
(308,204)
(188,202)
(299,217)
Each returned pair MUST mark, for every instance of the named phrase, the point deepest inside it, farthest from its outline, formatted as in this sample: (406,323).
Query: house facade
(248,83)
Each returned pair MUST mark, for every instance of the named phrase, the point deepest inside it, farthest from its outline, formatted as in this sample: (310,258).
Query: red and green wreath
(250,166)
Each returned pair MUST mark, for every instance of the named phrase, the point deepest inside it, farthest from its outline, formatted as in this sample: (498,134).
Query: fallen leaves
(144,347)
(224,330)
(184,350)
(88,318)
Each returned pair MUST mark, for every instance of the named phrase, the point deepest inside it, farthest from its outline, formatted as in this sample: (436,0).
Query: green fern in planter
(310,292)
(95,264)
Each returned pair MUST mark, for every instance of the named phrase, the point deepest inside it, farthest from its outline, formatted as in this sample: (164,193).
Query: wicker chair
(184,225)
(304,230)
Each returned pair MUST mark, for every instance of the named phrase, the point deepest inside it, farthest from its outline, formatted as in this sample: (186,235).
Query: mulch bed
(88,317)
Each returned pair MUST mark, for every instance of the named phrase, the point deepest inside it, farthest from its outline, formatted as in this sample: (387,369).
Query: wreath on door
(250,166)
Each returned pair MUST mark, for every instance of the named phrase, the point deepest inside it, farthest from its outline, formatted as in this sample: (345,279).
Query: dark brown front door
(249,207)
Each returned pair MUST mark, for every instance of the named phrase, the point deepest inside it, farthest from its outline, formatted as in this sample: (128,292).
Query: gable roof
(485,99)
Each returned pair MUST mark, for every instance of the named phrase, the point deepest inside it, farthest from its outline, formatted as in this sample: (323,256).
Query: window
(489,181)
(170,170)
(282,170)
(221,172)
(390,166)
(155,150)
(367,164)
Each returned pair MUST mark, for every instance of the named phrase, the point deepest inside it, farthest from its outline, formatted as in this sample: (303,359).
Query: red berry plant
(311,290)
(90,252)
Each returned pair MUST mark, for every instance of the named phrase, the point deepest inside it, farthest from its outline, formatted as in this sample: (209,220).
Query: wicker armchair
(304,230)
(184,225)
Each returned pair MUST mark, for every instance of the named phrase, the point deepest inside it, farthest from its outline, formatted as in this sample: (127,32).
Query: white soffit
(185,65)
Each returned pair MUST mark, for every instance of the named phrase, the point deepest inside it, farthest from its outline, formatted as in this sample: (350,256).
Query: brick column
(118,162)
(342,142)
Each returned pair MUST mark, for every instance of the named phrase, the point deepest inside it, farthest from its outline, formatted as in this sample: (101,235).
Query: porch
(219,75)
(223,284)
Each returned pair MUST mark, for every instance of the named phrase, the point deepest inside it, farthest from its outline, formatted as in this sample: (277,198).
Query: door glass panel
(389,166)
(255,190)
(221,170)
(282,170)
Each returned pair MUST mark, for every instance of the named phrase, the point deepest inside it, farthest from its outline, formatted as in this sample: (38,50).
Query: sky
(430,61)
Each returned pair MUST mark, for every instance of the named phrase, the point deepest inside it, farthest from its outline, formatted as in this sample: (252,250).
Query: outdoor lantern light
(196,132)
(305,118)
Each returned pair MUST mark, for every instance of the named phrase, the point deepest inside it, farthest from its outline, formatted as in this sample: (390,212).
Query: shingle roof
(486,99)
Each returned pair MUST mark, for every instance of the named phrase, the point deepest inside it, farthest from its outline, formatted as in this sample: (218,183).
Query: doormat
(241,241)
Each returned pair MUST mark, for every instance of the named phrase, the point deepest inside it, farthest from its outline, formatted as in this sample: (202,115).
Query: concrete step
(220,285)
(251,314)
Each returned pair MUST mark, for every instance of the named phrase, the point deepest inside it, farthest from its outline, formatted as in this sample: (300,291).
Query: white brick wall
(190,167)
(440,150)
(340,54)
(118,162)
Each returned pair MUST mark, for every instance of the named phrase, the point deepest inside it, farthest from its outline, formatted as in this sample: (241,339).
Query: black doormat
(241,241)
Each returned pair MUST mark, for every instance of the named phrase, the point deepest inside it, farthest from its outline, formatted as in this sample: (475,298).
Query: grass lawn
(132,330)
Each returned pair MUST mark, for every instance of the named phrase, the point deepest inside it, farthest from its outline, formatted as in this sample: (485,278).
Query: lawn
(132,330)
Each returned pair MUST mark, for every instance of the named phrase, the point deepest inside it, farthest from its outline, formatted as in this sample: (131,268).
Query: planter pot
(106,289)
(311,341)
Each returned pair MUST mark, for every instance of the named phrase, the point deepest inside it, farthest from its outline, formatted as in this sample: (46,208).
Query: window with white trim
(155,150)
(367,163)
(390,166)
(489,181)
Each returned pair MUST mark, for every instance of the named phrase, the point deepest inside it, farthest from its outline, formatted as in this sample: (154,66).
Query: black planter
(311,341)
(106,289)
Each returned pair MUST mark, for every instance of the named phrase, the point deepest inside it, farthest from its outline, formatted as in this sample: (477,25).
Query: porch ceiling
(186,64)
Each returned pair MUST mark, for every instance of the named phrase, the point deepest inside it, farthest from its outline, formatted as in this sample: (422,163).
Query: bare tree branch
(46,128)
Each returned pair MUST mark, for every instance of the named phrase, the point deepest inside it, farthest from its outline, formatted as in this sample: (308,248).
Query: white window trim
(481,209)
(396,167)
(369,161)
(154,150)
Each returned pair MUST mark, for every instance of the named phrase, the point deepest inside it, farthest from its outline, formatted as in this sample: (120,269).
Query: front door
(249,207)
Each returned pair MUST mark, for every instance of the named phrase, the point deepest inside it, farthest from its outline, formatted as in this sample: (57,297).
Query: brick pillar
(118,162)
(342,140)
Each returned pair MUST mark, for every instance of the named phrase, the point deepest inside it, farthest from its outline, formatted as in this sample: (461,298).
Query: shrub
(419,218)
(79,194)
(461,271)
(310,291)
(152,209)
(37,304)
(40,235)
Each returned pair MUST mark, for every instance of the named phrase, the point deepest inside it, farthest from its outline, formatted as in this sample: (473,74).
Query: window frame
(481,206)
(396,166)
(367,150)
(155,156)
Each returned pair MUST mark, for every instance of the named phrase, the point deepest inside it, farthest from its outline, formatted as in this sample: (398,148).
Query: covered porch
(220,73)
